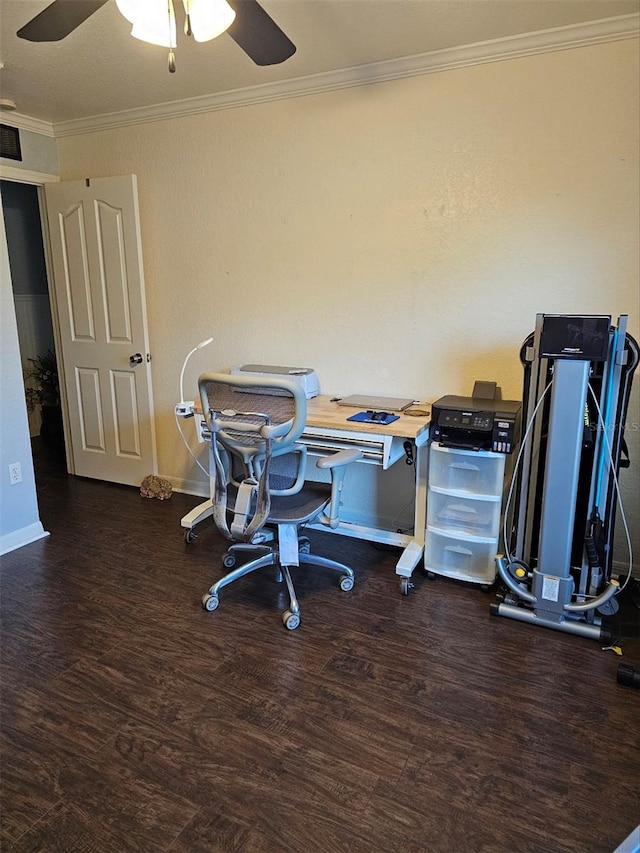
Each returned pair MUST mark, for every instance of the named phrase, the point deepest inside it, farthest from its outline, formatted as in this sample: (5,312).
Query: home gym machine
(558,539)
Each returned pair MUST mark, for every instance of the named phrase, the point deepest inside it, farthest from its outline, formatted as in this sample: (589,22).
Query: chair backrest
(254,423)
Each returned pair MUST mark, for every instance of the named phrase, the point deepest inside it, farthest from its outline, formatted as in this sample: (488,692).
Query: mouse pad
(367,418)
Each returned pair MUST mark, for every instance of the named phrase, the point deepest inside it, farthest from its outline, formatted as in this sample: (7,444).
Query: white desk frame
(328,431)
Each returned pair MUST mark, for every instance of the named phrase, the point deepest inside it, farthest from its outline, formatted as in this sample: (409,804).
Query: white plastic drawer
(464,559)
(459,514)
(466,471)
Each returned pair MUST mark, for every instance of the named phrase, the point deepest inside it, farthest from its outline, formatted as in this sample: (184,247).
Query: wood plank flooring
(134,721)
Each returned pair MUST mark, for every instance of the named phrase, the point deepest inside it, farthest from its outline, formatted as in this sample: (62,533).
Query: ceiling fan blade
(59,19)
(258,34)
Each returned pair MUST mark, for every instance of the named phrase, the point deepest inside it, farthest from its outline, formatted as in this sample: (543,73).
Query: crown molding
(496,50)
(35,125)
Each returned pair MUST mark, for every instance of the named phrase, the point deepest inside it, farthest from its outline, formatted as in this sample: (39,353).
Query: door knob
(135,359)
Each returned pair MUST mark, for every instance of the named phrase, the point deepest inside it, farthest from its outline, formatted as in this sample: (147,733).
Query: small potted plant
(43,390)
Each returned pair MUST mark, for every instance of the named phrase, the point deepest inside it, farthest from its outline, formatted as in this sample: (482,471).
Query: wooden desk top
(321,412)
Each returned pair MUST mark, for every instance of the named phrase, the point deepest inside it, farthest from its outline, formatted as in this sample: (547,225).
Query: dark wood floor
(132,720)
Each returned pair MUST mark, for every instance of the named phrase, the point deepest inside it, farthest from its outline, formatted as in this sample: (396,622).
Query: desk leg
(409,559)
(203,510)
(414,551)
(195,516)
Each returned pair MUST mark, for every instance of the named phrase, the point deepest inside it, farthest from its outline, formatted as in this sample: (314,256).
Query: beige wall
(399,237)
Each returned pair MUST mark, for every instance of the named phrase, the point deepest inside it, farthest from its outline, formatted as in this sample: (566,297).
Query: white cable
(400,513)
(187,445)
(409,503)
(613,473)
(617,487)
(182,404)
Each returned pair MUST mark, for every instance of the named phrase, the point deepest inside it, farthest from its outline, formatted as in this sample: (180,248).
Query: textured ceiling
(100,69)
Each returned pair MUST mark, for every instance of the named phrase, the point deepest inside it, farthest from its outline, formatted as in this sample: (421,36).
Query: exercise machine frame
(558,539)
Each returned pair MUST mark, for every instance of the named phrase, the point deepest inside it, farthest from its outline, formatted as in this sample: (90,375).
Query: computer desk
(327,431)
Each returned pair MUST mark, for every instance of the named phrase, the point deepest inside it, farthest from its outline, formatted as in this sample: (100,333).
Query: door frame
(39,179)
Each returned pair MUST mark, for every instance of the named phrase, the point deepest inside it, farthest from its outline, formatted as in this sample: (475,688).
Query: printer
(305,376)
(476,423)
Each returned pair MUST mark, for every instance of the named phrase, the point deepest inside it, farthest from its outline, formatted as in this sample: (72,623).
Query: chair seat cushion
(302,507)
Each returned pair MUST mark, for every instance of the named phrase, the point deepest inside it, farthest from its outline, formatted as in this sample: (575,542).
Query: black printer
(476,423)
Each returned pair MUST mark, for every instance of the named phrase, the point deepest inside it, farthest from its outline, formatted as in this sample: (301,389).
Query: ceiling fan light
(133,10)
(125,9)
(160,33)
(154,21)
(209,18)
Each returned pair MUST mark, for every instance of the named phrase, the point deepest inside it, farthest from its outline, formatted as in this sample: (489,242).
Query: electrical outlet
(15,473)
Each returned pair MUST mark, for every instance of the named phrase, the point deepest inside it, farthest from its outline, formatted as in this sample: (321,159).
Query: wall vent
(10,142)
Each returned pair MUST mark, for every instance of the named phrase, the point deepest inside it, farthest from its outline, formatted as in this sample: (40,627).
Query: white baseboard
(619,568)
(188,487)
(20,538)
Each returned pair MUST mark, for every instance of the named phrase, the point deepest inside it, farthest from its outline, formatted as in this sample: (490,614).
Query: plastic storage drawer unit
(464,509)
(467,471)
(464,559)
(477,516)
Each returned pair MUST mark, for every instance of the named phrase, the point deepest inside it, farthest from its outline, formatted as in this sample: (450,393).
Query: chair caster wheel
(346,583)
(405,586)
(304,545)
(290,620)
(210,602)
(229,560)
(189,536)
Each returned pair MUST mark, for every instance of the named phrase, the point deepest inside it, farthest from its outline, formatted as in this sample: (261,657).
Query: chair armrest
(336,463)
(342,457)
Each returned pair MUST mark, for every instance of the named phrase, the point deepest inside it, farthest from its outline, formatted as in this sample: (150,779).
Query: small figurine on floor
(155,487)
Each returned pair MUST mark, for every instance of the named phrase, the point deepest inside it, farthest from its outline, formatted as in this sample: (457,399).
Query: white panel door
(99,293)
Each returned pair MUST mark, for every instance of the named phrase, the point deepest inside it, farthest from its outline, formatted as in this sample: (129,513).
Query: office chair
(257,473)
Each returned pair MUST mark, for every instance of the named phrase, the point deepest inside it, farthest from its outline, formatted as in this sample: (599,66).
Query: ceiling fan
(252,28)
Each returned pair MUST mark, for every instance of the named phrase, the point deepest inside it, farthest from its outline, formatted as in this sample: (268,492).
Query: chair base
(271,557)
